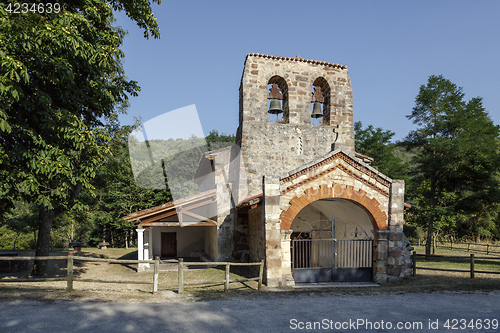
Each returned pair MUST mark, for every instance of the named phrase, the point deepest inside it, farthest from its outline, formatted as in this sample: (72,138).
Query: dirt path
(261,313)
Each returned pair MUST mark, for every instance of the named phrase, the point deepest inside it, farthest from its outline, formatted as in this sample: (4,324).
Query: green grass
(449,262)
(425,281)
(168,280)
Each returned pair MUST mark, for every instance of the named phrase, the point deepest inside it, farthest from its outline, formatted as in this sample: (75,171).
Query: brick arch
(337,191)
(282,74)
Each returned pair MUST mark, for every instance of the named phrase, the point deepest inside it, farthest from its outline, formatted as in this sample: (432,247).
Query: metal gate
(332,250)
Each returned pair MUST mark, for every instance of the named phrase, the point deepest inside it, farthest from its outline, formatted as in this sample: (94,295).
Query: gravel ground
(265,312)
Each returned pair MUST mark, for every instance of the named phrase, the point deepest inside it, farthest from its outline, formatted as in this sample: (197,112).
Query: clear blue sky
(391,48)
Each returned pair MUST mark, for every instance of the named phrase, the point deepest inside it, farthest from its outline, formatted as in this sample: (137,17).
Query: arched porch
(354,251)
(332,240)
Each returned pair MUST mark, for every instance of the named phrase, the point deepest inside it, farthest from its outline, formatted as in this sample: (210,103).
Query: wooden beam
(159,216)
(179,215)
(175,211)
(161,224)
(200,204)
(208,196)
(176,224)
(201,218)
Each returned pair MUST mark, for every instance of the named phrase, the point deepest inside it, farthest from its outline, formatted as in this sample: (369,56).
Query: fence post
(69,269)
(226,284)
(261,272)
(472,265)
(487,248)
(414,263)
(155,275)
(180,269)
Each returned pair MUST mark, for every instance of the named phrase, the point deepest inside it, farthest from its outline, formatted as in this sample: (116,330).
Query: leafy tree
(117,193)
(456,157)
(19,229)
(376,143)
(61,80)
(214,137)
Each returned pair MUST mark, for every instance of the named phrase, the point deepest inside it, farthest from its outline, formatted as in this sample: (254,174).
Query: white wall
(190,240)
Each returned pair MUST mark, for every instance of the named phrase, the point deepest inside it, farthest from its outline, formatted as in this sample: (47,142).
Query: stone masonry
(292,163)
(273,149)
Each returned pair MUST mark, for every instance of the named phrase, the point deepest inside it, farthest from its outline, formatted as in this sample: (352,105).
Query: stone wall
(271,221)
(399,248)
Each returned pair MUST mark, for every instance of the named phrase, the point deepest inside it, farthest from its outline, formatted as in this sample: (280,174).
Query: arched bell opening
(277,100)
(320,102)
(332,240)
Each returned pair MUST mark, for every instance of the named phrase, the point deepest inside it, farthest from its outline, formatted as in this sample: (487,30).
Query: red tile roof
(297,58)
(251,201)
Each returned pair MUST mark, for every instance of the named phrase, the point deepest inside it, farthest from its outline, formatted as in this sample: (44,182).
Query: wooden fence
(226,280)
(477,247)
(471,259)
(70,278)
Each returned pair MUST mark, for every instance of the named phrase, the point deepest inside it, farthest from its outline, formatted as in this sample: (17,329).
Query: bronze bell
(275,106)
(317,113)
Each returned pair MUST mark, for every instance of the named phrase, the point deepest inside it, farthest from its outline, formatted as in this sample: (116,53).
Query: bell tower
(291,111)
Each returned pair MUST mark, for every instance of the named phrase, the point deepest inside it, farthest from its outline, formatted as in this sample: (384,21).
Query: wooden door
(169,244)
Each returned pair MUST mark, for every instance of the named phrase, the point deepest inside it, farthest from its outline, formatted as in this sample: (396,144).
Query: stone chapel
(292,191)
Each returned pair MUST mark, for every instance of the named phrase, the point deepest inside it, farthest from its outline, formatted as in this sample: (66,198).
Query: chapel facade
(293,191)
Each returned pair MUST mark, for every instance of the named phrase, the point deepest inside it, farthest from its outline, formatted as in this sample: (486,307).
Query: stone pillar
(398,246)
(396,202)
(286,262)
(140,247)
(140,244)
(271,216)
(380,256)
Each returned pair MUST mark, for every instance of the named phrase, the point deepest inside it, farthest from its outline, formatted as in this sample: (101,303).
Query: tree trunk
(430,227)
(434,242)
(428,243)
(45,219)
